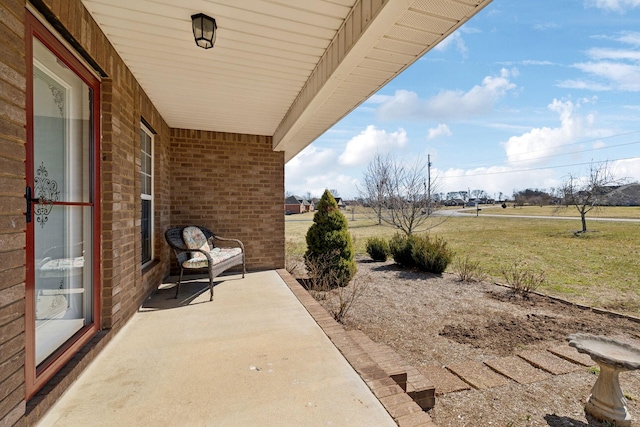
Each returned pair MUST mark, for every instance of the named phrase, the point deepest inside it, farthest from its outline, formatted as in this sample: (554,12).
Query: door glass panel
(63,239)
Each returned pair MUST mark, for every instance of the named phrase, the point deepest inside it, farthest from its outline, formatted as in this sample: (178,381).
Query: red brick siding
(124,287)
(123,105)
(12,204)
(232,184)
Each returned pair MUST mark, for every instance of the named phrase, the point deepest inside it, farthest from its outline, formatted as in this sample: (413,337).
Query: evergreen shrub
(330,252)
(401,247)
(431,255)
(378,248)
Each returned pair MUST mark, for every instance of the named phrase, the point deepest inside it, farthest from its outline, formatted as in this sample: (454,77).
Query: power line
(534,169)
(568,145)
(575,152)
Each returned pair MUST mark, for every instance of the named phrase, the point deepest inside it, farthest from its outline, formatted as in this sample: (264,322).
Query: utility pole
(429,185)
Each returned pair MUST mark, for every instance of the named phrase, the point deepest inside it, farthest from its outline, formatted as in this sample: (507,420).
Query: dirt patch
(436,321)
(502,336)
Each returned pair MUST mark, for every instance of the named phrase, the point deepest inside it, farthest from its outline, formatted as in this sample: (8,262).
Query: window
(146,193)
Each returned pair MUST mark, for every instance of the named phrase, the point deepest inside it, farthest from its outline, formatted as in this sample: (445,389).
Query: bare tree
(399,194)
(377,178)
(586,193)
(308,196)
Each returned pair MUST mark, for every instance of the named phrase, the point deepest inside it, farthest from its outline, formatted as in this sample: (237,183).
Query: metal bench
(195,248)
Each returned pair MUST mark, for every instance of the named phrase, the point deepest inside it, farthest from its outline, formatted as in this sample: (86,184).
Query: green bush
(401,247)
(431,255)
(330,253)
(378,248)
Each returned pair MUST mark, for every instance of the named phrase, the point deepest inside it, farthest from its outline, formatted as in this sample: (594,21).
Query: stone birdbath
(606,401)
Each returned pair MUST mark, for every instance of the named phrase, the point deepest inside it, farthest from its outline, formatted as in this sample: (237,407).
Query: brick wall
(12,224)
(232,184)
(124,284)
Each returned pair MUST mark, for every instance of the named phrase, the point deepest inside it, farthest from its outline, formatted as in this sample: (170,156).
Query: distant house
(454,202)
(340,202)
(296,205)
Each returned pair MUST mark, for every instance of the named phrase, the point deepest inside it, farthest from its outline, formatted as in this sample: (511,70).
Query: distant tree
(398,194)
(478,194)
(586,193)
(334,192)
(308,196)
(518,199)
(532,197)
(330,253)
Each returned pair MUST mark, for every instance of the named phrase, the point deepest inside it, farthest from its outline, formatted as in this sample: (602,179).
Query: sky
(524,94)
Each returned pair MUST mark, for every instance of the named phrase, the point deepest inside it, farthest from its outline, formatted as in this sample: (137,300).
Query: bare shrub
(341,299)
(468,270)
(522,278)
(338,300)
(292,263)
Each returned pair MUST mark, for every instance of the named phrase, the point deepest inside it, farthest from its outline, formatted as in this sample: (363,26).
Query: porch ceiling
(284,68)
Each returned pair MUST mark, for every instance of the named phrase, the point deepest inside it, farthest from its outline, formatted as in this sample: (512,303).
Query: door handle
(29,200)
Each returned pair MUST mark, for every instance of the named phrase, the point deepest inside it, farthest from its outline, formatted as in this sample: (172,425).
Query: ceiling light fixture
(204,30)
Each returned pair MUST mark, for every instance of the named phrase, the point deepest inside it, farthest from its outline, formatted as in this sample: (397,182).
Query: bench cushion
(194,238)
(217,255)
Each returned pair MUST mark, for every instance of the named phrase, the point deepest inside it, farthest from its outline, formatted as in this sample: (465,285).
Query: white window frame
(150,197)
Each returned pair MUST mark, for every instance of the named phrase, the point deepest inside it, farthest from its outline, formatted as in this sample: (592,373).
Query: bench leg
(211,286)
(178,284)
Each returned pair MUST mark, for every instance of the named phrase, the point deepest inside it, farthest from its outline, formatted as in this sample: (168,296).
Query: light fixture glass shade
(204,30)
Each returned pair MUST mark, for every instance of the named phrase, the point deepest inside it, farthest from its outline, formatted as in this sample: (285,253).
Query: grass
(632,212)
(599,268)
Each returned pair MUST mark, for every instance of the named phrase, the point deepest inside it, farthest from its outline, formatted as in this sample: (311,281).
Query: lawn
(632,212)
(599,268)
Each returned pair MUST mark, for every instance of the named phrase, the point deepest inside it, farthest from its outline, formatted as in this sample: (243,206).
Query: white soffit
(266,74)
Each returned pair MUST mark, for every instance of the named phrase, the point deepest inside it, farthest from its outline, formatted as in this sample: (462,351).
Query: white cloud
(536,62)
(448,105)
(628,169)
(310,171)
(613,5)
(536,146)
(584,84)
(617,54)
(377,99)
(619,76)
(597,145)
(546,26)
(629,37)
(454,39)
(440,130)
(610,69)
(362,147)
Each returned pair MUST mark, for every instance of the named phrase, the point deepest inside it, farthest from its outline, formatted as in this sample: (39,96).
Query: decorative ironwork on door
(46,193)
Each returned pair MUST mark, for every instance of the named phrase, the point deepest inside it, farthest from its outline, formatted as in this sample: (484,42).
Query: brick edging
(401,407)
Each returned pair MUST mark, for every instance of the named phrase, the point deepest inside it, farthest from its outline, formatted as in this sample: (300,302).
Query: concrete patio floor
(253,356)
